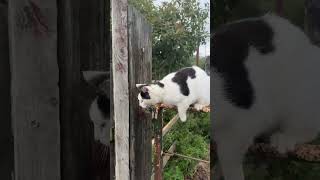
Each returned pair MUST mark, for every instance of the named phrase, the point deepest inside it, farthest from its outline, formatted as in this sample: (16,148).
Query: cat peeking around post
(185,87)
(99,104)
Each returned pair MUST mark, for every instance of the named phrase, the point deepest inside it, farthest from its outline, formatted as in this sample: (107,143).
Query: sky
(204,49)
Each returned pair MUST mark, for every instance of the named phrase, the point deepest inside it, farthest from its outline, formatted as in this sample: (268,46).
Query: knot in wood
(35,124)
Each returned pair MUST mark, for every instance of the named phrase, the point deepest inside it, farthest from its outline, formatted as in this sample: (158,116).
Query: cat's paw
(198,107)
(183,117)
(282,143)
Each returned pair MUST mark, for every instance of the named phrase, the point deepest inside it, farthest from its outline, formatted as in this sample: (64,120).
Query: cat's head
(99,109)
(150,94)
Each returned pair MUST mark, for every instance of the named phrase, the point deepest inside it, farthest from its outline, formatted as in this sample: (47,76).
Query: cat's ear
(95,77)
(140,85)
(144,89)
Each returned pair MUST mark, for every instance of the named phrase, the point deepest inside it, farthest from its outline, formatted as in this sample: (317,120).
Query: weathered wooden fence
(50,42)
(140,70)
(6,138)
(131,38)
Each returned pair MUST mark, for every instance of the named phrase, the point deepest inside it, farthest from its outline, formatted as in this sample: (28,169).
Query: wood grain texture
(95,48)
(83,45)
(140,67)
(312,20)
(34,89)
(158,119)
(169,125)
(6,136)
(75,152)
(172,149)
(120,87)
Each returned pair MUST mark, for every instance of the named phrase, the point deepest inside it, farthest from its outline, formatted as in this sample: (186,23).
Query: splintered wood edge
(164,106)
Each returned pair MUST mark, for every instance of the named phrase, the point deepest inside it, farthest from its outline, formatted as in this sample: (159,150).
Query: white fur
(170,94)
(101,130)
(286,84)
(100,123)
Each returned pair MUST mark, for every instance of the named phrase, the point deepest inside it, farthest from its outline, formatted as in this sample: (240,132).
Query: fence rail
(162,158)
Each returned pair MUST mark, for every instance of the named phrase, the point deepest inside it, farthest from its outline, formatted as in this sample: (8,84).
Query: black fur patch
(230,49)
(181,79)
(160,84)
(103,103)
(145,95)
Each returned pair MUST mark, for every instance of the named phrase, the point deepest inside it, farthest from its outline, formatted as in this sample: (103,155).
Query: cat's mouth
(144,106)
(147,107)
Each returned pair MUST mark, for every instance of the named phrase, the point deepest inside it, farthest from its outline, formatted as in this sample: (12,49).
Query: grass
(282,169)
(192,140)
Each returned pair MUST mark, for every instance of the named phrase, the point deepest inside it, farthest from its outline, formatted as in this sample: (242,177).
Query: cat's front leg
(231,162)
(231,148)
(182,111)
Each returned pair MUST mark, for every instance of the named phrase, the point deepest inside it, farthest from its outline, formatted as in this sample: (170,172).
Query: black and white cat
(99,108)
(183,88)
(265,79)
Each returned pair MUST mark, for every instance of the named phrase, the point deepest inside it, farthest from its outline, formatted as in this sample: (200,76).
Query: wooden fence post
(131,43)
(120,87)
(74,147)
(312,20)
(158,144)
(140,71)
(95,48)
(83,45)
(34,89)
(6,137)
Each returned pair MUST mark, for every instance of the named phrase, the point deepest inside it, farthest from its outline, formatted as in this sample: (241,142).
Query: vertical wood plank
(109,54)
(6,137)
(158,144)
(312,20)
(94,31)
(82,46)
(73,148)
(140,62)
(207,65)
(34,89)
(95,55)
(120,87)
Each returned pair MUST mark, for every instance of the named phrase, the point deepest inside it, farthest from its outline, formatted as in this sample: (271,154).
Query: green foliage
(229,10)
(192,139)
(282,169)
(178,29)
